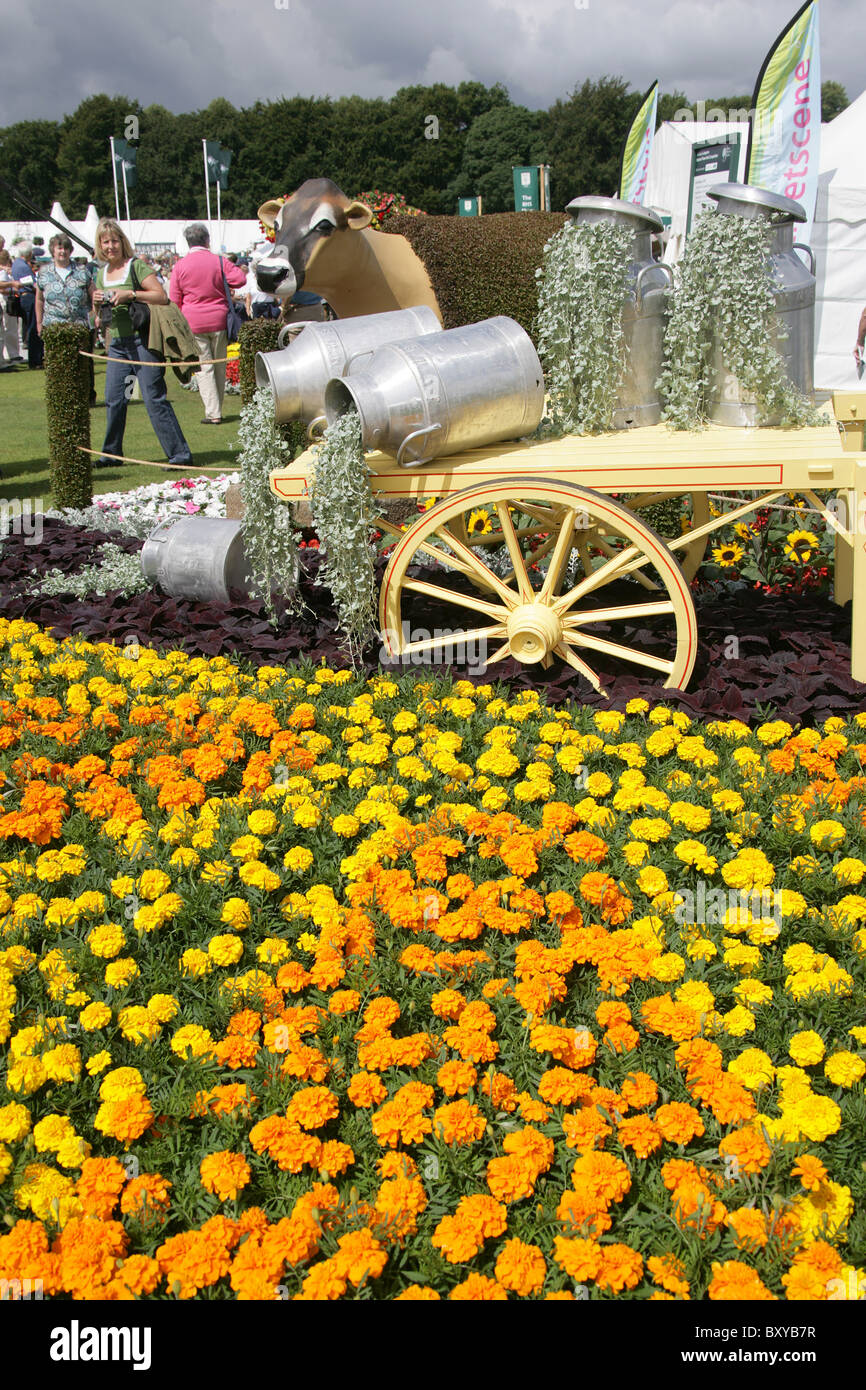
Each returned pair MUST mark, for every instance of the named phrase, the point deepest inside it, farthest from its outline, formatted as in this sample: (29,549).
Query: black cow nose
(268,277)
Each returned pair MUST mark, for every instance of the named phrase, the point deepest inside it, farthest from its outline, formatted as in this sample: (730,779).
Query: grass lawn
(24,438)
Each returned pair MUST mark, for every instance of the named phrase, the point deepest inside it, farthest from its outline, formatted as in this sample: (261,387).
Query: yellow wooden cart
(531,553)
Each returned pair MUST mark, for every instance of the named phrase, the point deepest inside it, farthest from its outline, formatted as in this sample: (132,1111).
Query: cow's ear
(268,212)
(358,216)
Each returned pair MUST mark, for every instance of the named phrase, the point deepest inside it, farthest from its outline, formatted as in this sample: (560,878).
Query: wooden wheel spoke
(451,639)
(493,610)
(522,580)
(499,654)
(561,552)
(574,660)
(605,574)
(625,612)
(474,565)
(598,644)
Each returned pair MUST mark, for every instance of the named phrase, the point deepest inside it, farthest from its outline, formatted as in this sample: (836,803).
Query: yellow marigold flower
(26,1075)
(753,1067)
(306,816)
(236,913)
(738,1021)
(753,993)
(824,1213)
(216,871)
(62,1063)
(261,822)
(194,961)
(98,1062)
(121,972)
(749,869)
(806,1049)
(50,1133)
(297,860)
(844,1068)
(151,883)
(107,940)
(14,1122)
(827,834)
(849,871)
(650,828)
(345,826)
(257,875)
(137,1024)
(636,852)
(192,1041)
(225,950)
(94,1017)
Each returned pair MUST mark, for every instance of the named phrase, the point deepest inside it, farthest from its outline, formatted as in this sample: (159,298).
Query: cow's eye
(324,227)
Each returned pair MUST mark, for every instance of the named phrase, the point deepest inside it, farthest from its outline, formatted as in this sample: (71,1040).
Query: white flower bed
(138,512)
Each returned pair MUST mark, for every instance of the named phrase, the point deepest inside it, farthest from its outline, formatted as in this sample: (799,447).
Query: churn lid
(615,210)
(747,200)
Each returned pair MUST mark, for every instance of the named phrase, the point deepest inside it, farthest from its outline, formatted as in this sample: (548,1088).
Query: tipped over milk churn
(645,308)
(299,373)
(459,389)
(198,557)
(794,290)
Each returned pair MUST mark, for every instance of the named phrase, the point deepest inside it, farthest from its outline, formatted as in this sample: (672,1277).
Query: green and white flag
(785,131)
(218,161)
(125,157)
(638,147)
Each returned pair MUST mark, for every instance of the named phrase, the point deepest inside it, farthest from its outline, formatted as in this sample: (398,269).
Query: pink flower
(191,506)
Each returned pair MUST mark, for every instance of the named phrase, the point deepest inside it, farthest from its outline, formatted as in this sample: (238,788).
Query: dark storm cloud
(183,53)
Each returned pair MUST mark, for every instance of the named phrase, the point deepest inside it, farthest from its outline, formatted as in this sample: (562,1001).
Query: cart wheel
(527,608)
(689,556)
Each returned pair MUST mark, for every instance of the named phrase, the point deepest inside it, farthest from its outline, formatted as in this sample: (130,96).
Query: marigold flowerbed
(319,987)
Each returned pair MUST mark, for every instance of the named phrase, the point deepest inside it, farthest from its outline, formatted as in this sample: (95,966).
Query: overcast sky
(183,53)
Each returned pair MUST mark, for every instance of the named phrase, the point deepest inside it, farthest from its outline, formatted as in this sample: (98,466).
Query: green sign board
(526,188)
(715,161)
(469,207)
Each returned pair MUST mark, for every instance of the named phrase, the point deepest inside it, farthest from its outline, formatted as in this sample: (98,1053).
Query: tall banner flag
(785,130)
(638,147)
(218,161)
(126,156)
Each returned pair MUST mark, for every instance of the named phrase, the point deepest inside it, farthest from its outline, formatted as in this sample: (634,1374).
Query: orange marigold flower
(459,1122)
(579,1257)
(810,1171)
(418,1293)
(345,1001)
(639,1090)
(521,1267)
(478,1288)
(313,1107)
(224,1173)
(501,1090)
(749,1227)
(748,1148)
(360,1256)
(366,1090)
(621,1268)
(99,1187)
(678,1122)
(735,1281)
(146,1199)
(455,1078)
(586,848)
(559,1086)
(640,1134)
(585,1131)
(126,1119)
(669,1273)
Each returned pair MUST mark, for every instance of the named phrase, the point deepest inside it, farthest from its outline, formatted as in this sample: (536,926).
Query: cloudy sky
(183,53)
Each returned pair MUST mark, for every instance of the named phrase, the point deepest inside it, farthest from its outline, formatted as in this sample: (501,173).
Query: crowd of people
(195,299)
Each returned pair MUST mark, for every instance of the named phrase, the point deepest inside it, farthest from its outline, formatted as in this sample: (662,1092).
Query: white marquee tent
(669,174)
(839,243)
(225,237)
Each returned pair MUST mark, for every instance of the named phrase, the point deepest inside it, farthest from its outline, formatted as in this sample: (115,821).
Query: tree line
(433,144)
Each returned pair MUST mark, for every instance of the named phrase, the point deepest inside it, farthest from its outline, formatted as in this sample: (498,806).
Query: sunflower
(801,546)
(479,522)
(743,530)
(728,554)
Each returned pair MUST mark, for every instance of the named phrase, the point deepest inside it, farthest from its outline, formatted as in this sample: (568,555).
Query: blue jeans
(152,383)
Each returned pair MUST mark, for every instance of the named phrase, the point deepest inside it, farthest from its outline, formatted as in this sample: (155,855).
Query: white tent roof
(226,236)
(670,168)
(839,243)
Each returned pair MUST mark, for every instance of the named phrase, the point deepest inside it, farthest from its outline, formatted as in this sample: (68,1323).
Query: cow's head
(303,223)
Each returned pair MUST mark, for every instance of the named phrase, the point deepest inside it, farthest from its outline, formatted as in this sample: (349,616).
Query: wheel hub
(533,631)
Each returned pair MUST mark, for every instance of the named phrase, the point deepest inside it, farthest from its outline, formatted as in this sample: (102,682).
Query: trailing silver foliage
(269,536)
(580,337)
(341,501)
(113,570)
(724,293)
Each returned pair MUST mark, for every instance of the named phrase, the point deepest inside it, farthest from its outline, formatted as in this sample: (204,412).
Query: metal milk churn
(645,308)
(198,557)
(794,289)
(299,373)
(459,389)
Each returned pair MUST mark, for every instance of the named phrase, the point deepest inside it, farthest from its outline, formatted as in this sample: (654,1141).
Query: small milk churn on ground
(299,373)
(794,288)
(198,557)
(645,308)
(459,389)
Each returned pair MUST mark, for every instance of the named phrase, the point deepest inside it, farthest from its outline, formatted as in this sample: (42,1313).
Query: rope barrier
(185,362)
(146,463)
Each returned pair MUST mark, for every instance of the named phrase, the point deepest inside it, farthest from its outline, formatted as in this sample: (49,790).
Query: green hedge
(260,335)
(482,266)
(67,403)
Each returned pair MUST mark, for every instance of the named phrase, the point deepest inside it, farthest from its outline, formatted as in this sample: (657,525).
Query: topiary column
(67,396)
(260,335)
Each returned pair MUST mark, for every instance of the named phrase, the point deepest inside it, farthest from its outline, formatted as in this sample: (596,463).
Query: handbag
(233,317)
(13,305)
(139,313)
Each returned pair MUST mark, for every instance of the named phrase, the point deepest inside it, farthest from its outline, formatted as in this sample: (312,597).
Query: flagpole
(125,189)
(114,172)
(206,178)
(219,213)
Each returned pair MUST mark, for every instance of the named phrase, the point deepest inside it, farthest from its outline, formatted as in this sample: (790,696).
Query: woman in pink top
(198,291)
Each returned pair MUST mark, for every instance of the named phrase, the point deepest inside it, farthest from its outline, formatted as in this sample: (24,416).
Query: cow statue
(323,242)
